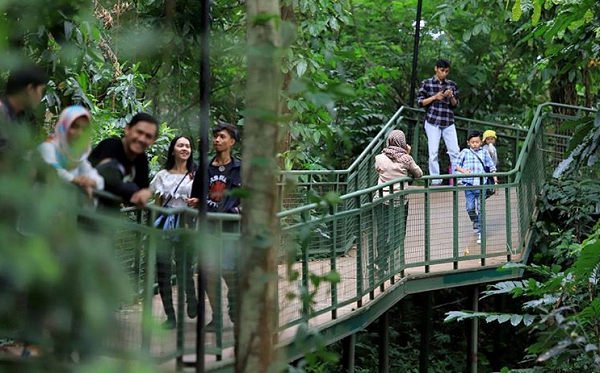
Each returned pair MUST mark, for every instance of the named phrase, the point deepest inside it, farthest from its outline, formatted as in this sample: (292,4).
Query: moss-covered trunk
(256,328)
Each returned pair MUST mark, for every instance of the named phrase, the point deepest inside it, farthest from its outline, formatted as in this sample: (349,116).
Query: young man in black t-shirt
(123,162)
(224,175)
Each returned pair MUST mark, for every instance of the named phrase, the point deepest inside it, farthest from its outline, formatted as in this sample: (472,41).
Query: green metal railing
(297,185)
(372,240)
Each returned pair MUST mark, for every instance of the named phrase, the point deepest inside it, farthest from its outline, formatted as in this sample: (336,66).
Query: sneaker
(211,327)
(478,237)
(169,324)
(192,309)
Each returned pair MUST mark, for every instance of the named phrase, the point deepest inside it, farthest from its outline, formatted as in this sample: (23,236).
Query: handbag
(488,180)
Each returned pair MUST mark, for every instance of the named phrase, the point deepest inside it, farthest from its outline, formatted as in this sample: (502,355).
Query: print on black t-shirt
(217,186)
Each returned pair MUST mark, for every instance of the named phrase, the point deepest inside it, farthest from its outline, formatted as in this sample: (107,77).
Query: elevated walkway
(359,239)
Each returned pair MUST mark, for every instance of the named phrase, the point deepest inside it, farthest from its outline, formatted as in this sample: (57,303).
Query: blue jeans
(434,135)
(473,198)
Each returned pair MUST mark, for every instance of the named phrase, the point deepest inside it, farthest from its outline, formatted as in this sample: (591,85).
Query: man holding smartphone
(439,96)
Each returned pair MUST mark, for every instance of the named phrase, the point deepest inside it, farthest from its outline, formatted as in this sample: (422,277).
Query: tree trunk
(256,326)
(564,92)
(287,15)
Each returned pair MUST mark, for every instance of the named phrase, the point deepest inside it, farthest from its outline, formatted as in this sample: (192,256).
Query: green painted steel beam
(360,318)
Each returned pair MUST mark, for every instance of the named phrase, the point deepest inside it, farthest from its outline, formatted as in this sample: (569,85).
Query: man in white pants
(440,96)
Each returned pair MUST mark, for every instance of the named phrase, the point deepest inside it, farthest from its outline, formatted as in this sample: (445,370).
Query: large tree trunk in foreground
(256,327)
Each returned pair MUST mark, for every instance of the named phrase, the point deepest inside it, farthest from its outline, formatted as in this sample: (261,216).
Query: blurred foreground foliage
(61,284)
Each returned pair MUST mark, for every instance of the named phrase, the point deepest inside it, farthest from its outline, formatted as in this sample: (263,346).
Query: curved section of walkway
(363,240)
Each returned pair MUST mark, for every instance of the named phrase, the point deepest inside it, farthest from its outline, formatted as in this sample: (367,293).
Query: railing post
(181,257)
(359,256)
(137,260)
(305,282)
(415,140)
(482,220)
(508,209)
(404,211)
(375,239)
(333,263)
(218,314)
(427,227)
(455,253)
(147,323)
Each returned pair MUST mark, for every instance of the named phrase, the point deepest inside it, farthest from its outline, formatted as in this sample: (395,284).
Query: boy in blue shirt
(471,161)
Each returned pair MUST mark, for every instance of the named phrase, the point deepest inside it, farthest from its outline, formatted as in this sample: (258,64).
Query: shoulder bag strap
(479,159)
(177,187)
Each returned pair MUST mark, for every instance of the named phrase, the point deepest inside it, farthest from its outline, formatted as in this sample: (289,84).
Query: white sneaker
(478,237)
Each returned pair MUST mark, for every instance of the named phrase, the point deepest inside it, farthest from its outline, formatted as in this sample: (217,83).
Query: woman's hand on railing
(193,202)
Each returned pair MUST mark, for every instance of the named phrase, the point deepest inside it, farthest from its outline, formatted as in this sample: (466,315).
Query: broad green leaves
(515,319)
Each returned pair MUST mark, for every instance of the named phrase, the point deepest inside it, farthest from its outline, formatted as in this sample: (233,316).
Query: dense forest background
(346,63)
(346,68)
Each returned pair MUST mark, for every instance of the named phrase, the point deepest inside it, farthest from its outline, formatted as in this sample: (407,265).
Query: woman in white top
(173,186)
(68,148)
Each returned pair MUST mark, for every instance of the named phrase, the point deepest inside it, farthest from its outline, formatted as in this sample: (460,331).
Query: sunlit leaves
(517,11)
(515,319)
(537,11)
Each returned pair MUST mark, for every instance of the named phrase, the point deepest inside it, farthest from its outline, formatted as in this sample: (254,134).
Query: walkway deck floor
(441,247)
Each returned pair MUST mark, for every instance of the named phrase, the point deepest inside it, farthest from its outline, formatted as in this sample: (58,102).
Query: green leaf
(591,312)
(83,82)
(466,36)
(517,11)
(589,257)
(301,67)
(537,11)
(528,319)
(588,16)
(503,318)
(516,319)
(294,275)
(575,123)
(264,18)
(241,193)
(332,277)
(315,280)
(463,315)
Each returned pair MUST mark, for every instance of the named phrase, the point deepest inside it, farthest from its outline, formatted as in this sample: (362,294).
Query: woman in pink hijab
(68,148)
(391,216)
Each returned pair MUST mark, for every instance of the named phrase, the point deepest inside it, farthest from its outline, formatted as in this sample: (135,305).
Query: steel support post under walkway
(348,353)
(384,343)
(473,333)
(426,332)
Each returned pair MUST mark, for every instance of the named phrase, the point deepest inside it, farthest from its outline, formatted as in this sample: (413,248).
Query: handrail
(514,171)
(381,133)
(354,226)
(362,155)
(167,211)
(232,217)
